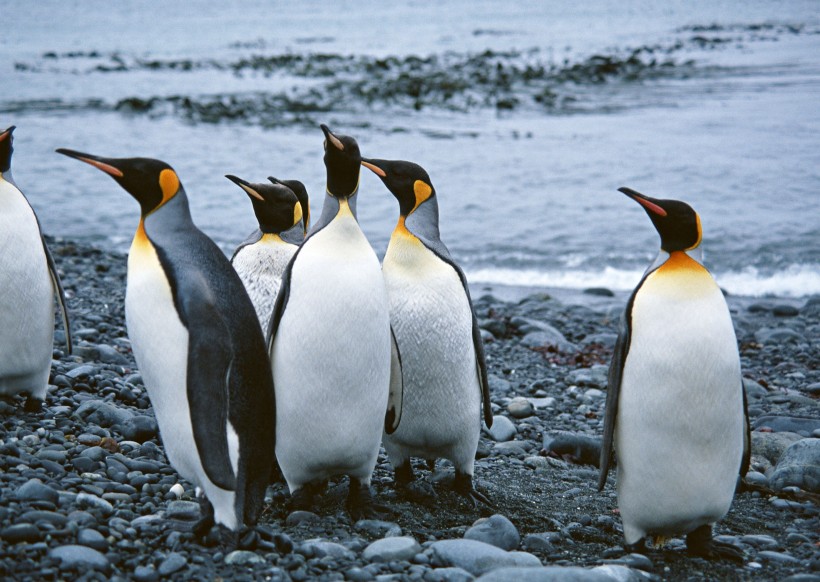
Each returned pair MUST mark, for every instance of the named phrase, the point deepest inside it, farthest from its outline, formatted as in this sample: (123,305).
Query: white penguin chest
(260,267)
(432,320)
(26,296)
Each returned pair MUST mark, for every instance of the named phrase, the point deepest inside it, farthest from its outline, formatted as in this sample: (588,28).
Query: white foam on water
(794,281)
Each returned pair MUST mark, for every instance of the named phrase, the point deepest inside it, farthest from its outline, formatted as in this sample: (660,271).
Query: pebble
(243,558)
(321,548)
(301,517)
(595,376)
(378,528)
(140,428)
(759,541)
(496,530)
(785,310)
(145,574)
(20,532)
(93,539)
(184,510)
(777,557)
(88,501)
(452,574)
(520,407)
(390,549)
(780,335)
(799,467)
(74,557)
(546,574)
(503,429)
(477,557)
(35,490)
(795,424)
(174,562)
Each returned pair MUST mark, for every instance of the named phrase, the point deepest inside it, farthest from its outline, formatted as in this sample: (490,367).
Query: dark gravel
(86,490)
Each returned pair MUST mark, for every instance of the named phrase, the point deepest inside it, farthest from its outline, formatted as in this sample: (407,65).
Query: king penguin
(28,285)
(330,347)
(261,259)
(443,365)
(675,407)
(198,345)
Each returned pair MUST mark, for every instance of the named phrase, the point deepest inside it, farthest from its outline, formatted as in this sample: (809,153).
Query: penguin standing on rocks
(675,408)
(443,365)
(330,347)
(199,347)
(28,285)
(262,258)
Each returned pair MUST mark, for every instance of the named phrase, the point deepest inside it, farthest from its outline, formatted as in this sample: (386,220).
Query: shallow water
(528,118)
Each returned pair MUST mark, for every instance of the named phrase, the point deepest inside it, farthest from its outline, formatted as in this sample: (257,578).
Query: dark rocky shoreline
(86,491)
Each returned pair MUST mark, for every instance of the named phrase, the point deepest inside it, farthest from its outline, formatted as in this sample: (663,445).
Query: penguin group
(303,354)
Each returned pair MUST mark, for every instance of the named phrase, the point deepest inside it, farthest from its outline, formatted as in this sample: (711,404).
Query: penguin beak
(104,164)
(370,165)
(650,204)
(245,186)
(329,137)
(7,133)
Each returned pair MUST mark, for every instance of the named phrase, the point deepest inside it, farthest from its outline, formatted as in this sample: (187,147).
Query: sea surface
(527,115)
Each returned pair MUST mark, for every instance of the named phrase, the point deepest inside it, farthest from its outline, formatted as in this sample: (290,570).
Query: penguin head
(342,160)
(276,207)
(301,195)
(151,182)
(6,149)
(408,182)
(676,222)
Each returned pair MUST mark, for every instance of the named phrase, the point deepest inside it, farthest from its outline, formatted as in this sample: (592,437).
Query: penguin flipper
(59,292)
(281,302)
(616,368)
(209,367)
(746,460)
(394,401)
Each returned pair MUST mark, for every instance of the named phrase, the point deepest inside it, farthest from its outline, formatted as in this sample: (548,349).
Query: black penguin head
(342,160)
(676,222)
(151,182)
(276,207)
(301,195)
(408,182)
(6,149)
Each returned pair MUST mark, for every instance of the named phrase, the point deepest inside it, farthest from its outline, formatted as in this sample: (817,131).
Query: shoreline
(85,486)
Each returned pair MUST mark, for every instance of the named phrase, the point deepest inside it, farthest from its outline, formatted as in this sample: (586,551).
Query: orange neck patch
(679,261)
(169,183)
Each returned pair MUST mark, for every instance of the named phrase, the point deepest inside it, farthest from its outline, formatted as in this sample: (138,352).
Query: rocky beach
(87,493)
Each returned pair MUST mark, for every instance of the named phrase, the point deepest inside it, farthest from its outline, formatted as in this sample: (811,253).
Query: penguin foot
(33,404)
(701,543)
(360,503)
(638,547)
(203,527)
(301,499)
(403,475)
(463,485)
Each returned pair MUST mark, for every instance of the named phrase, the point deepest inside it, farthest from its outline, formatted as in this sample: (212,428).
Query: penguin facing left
(262,258)
(28,285)
(198,345)
(431,313)
(675,408)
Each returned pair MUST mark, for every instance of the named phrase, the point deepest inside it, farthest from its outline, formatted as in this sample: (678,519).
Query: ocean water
(528,117)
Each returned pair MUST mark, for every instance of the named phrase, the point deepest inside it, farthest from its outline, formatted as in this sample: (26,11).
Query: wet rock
(321,548)
(243,558)
(496,530)
(605,339)
(799,467)
(780,335)
(594,376)
(378,528)
(771,556)
(754,391)
(785,310)
(520,407)
(301,517)
(503,429)
(551,338)
(92,539)
(74,557)
(576,448)
(390,549)
(145,574)
(599,292)
(140,428)
(453,574)
(102,413)
(88,501)
(174,562)
(772,445)
(184,510)
(545,574)
(20,532)
(541,542)
(35,490)
(478,557)
(795,424)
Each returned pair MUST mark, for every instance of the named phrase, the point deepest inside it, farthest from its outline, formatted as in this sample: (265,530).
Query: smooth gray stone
(58,519)
(93,539)
(378,528)
(551,338)
(184,510)
(101,413)
(299,517)
(391,549)
(453,574)
(36,490)
(503,429)
(594,376)
(618,573)
(88,501)
(109,355)
(174,562)
(520,407)
(541,542)
(759,541)
(55,456)
(780,335)
(508,448)
(798,467)
(145,574)
(81,371)
(605,339)
(795,424)
(140,428)
(777,557)
(79,557)
(478,557)
(496,530)
(20,532)
(545,574)
(321,548)
(243,557)
(754,391)
(772,445)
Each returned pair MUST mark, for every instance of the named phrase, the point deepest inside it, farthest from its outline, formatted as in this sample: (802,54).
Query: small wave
(794,281)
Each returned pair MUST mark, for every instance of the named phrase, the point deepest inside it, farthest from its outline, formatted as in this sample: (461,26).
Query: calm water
(528,118)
